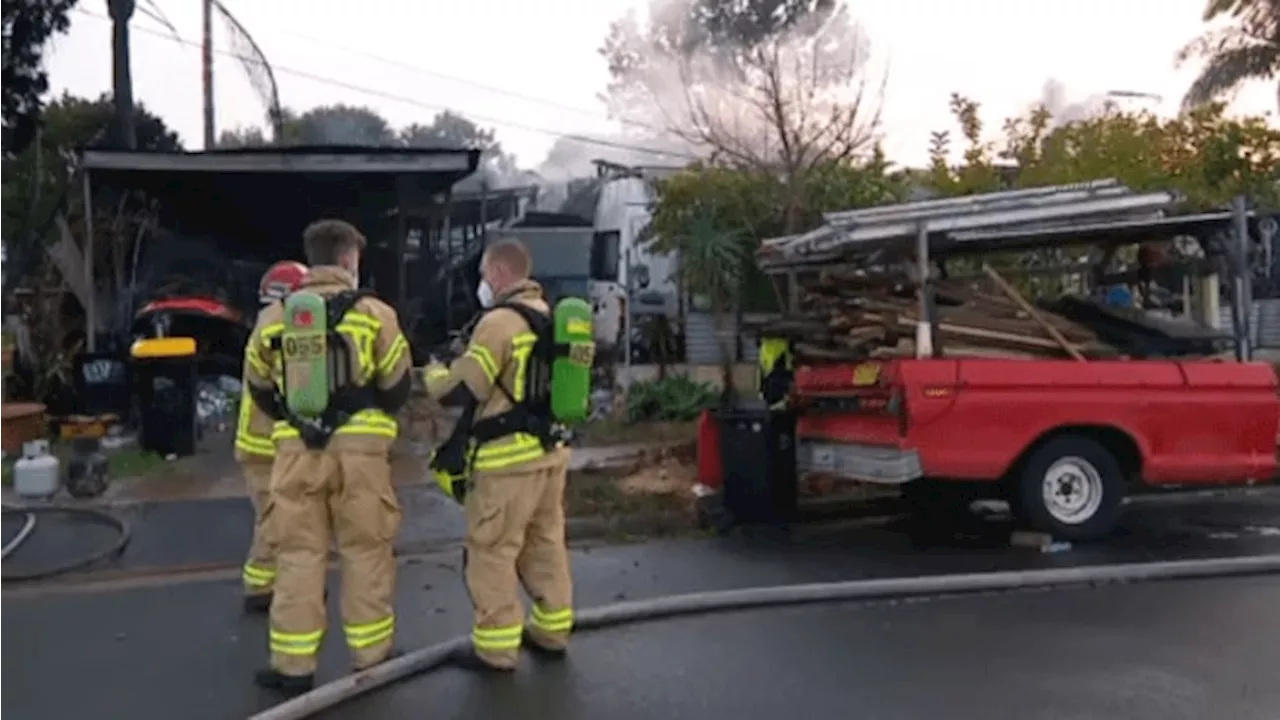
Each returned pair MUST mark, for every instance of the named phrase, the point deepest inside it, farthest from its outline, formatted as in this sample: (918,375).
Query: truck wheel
(1071,488)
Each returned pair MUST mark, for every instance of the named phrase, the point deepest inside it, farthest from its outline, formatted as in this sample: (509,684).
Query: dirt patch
(615,432)
(650,501)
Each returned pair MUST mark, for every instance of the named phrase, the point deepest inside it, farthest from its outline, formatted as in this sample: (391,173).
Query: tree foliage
(1248,49)
(36,181)
(28,27)
(1204,154)
(350,125)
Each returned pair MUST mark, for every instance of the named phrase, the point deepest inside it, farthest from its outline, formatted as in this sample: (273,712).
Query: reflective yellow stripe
(368,634)
(246,440)
(255,446)
(508,451)
(435,372)
(560,621)
(357,317)
(398,348)
(362,339)
(296,643)
(521,348)
(365,422)
(257,576)
(499,638)
(484,359)
(253,353)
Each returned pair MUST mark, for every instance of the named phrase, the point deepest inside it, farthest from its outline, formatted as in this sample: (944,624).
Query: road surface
(159,650)
(1195,650)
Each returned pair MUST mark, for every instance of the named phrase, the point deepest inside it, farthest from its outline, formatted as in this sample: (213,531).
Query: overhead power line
(427,72)
(394,97)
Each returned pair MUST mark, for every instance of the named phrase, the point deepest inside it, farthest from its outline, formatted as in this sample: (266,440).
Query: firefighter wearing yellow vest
(776,371)
(331,366)
(255,451)
(514,468)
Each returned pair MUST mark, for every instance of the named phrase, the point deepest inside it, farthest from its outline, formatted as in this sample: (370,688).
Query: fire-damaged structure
(225,215)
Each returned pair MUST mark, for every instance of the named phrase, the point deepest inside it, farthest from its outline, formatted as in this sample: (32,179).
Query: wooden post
(91,297)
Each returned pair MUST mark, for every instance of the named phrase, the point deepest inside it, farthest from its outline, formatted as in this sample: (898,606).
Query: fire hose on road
(123,535)
(436,656)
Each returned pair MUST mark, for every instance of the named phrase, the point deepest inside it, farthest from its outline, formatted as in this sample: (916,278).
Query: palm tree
(713,264)
(1247,50)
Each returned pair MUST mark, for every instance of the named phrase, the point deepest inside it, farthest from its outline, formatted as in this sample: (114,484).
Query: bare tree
(781,99)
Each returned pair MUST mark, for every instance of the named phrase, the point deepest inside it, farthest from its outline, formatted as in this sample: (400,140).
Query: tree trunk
(728,394)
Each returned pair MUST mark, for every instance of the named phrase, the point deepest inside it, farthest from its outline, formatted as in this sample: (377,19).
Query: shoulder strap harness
(532,414)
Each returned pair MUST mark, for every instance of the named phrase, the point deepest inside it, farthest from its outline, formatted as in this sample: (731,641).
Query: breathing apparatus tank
(304,344)
(574,339)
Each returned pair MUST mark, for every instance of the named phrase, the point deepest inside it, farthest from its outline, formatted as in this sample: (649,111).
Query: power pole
(121,11)
(206,67)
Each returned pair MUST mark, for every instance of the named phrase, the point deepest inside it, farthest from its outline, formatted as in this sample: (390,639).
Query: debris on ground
(669,477)
(217,401)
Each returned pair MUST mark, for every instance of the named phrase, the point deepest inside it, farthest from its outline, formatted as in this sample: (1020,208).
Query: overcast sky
(531,70)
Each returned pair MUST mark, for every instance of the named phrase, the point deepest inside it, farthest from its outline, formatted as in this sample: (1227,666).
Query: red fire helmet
(281,279)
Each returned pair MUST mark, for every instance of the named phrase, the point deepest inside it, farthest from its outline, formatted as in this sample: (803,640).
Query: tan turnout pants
(318,497)
(515,536)
(259,572)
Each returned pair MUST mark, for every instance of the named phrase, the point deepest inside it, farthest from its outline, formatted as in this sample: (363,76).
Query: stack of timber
(852,318)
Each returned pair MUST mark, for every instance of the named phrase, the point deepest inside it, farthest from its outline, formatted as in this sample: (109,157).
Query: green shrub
(672,398)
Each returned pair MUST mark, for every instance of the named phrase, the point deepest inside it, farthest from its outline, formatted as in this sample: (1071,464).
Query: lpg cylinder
(87,469)
(37,474)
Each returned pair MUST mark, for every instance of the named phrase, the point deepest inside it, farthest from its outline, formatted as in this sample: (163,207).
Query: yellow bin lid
(170,347)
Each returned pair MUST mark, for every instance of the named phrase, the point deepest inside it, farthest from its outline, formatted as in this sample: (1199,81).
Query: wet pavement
(182,650)
(1160,652)
(205,533)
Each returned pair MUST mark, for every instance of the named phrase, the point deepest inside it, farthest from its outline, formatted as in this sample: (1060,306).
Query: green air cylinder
(304,345)
(571,369)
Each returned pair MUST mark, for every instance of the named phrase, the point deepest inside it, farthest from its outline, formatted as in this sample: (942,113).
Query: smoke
(573,158)
(1064,110)
(744,87)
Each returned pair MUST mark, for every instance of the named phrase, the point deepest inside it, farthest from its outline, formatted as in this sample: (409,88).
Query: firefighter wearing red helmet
(255,452)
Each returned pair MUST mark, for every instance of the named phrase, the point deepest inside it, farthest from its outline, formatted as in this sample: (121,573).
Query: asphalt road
(168,651)
(1193,650)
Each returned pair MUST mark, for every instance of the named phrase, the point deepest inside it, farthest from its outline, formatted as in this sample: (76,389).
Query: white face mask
(484,293)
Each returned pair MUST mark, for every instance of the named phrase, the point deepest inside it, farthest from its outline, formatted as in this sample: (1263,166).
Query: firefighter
(776,371)
(512,467)
(331,366)
(255,451)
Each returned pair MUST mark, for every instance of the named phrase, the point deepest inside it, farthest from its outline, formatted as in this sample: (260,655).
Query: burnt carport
(257,201)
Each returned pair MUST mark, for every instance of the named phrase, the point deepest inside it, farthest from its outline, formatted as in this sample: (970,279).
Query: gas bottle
(87,469)
(37,474)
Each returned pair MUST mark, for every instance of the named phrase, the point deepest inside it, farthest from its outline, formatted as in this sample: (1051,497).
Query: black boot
(542,650)
(467,659)
(284,684)
(257,604)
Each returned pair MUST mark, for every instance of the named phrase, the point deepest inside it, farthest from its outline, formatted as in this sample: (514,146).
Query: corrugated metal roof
(972,218)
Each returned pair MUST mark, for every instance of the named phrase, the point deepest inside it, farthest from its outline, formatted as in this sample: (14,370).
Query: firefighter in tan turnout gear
(255,451)
(331,366)
(513,463)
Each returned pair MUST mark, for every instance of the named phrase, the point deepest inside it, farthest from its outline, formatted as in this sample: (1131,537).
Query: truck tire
(1071,487)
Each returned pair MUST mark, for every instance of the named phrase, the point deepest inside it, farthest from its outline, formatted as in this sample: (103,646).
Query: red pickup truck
(1064,442)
